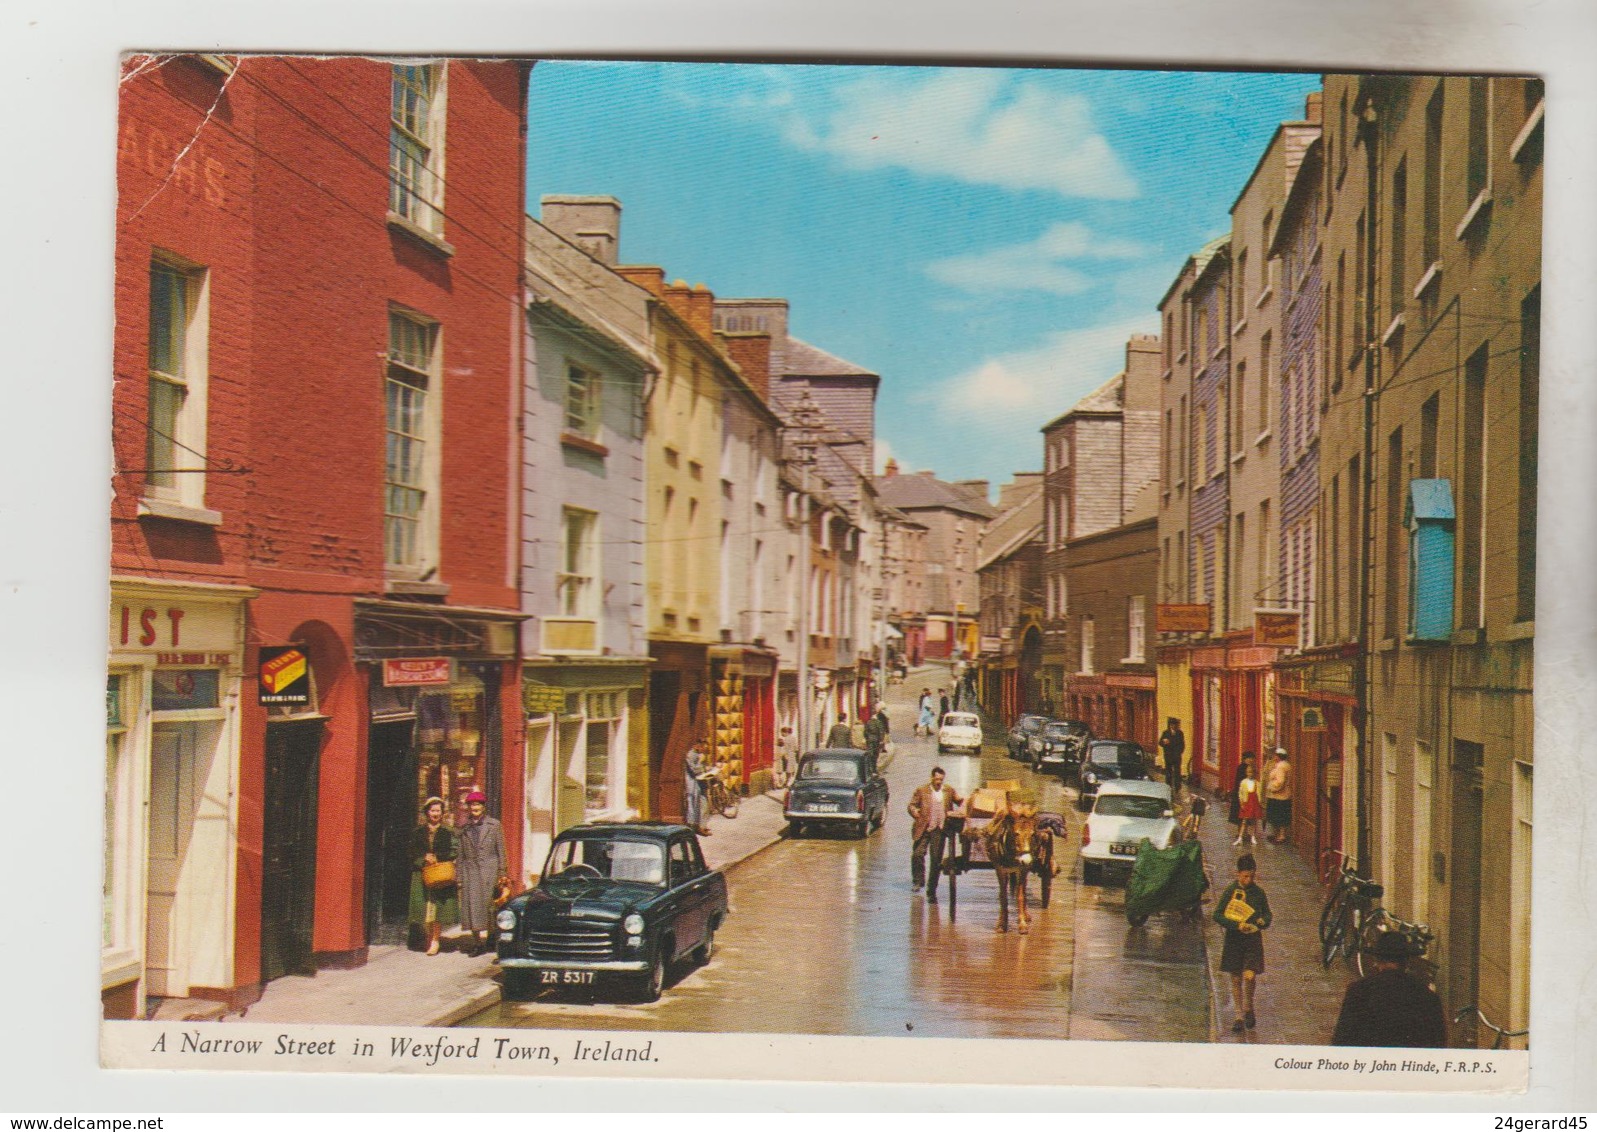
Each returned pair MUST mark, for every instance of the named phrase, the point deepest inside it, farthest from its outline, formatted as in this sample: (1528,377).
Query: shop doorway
(288,864)
(174,800)
(391,816)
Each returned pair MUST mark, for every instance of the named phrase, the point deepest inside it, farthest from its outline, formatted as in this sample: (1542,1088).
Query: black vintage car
(616,900)
(1060,746)
(1025,729)
(1108,759)
(836,786)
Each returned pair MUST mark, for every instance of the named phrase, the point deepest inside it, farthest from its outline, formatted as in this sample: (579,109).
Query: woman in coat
(432,842)
(480,869)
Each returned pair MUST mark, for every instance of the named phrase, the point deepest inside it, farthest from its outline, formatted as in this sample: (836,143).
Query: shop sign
(1313,719)
(188,633)
(1123,681)
(1181,618)
(1276,627)
(540,699)
(416,673)
(284,676)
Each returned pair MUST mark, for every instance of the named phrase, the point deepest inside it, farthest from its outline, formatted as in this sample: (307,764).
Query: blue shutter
(1430,526)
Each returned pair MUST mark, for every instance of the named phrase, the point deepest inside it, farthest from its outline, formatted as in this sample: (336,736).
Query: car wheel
(652,984)
(1136,921)
(795,830)
(517,985)
(1091,873)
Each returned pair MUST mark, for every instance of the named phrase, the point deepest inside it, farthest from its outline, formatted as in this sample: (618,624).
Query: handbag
(439,874)
(1237,909)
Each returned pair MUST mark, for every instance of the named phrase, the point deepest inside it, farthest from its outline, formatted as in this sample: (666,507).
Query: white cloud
(1040,265)
(982,127)
(1026,389)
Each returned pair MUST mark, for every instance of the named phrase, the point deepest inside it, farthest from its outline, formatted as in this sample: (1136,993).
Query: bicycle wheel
(1330,913)
(1332,944)
(1353,937)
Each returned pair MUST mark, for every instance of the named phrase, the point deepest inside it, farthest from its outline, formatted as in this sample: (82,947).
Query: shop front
(1316,722)
(680,714)
(171,793)
(443,699)
(743,740)
(583,721)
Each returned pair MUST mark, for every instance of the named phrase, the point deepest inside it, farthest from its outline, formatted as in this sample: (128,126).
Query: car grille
(572,945)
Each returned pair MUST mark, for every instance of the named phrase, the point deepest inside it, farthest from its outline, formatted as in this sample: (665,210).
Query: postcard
(813,571)
(805,571)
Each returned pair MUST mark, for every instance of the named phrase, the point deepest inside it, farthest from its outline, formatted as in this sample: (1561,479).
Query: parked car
(616,900)
(1107,760)
(1021,734)
(836,787)
(1058,749)
(960,731)
(1124,813)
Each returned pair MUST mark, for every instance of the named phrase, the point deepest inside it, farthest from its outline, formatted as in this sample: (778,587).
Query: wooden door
(173,796)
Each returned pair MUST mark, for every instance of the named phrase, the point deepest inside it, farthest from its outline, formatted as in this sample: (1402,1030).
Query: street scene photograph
(877,551)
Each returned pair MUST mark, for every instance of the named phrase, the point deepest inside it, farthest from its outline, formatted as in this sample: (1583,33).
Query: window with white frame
(1136,627)
(416,145)
(410,512)
(604,712)
(577,582)
(582,402)
(175,422)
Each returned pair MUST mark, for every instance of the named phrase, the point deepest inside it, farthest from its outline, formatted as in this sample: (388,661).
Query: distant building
(1009,567)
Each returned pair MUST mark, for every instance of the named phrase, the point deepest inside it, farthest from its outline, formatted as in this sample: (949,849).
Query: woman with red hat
(481,868)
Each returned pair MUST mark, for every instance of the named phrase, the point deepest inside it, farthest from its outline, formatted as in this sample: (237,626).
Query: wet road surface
(826,936)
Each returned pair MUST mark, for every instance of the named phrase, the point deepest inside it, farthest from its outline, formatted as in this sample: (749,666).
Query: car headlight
(506,919)
(633,924)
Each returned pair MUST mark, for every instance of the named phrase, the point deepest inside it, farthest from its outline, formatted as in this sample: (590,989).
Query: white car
(1125,812)
(961,731)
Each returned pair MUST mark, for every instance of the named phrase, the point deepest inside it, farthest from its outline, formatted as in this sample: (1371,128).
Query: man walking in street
(1243,910)
(841,735)
(943,705)
(1391,1007)
(875,733)
(929,807)
(1174,744)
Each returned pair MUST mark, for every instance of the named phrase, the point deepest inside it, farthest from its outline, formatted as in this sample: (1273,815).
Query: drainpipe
(1364,788)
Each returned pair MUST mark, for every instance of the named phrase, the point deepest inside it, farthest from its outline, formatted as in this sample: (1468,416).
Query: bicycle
(1416,937)
(1341,883)
(719,797)
(1501,1035)
(1353,903)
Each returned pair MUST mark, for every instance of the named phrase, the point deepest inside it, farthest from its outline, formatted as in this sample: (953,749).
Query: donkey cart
(1002,831)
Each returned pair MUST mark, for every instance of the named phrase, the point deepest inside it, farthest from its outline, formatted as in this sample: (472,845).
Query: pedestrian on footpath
(841,734)
(784,758)
(480,869)
(927,721)
(694,771)
(1250,807)
(432,905)
(929,808)
(1243,910)
(1234,803)
(1278,797)
(1174,744)
(1391,1007)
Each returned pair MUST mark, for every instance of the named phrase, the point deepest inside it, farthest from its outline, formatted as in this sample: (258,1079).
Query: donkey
(1017,846)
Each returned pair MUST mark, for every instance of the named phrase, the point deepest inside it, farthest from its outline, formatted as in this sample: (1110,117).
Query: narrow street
(827,937)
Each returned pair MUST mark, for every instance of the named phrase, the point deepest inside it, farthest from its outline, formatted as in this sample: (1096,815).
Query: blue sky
(985,239)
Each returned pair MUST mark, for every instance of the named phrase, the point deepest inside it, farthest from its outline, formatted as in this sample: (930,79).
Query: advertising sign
(1181,618)
(416,673)
(1276,627)
(540,699)
(284,676)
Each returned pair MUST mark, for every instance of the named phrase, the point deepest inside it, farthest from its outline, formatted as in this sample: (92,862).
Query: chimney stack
(752,353)
(651,279)
(591,223)
(1312,105)
(694,305)
(890,469)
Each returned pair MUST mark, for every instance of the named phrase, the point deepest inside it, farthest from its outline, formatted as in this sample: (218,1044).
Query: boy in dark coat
(1242,956)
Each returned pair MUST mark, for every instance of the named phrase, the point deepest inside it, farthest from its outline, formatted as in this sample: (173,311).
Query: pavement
(1297,999)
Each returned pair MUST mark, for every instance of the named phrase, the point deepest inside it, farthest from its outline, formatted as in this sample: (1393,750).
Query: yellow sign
(540,699)
(1181,618)
(1275,627)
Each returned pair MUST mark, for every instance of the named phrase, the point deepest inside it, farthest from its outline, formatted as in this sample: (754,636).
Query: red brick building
(316,364)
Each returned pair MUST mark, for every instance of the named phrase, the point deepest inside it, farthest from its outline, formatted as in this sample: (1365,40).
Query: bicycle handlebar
(1459,1018)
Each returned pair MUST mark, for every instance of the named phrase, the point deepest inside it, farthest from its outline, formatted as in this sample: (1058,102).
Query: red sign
(1275,628)
(1181,618)
(416,673)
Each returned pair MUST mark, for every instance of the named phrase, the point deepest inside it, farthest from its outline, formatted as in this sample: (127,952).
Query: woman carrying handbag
(433,894)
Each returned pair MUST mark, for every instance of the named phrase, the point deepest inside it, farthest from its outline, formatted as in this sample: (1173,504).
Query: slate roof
(923,493)
(798,358)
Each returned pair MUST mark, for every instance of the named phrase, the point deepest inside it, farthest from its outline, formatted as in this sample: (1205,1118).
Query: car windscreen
(1129,806)
(638,862)
(1113,755)
(1062,730)
(959,719)
(829,770)
(1032,723)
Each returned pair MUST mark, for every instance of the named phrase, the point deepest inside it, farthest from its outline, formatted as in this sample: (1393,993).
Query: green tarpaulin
(1164,880)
